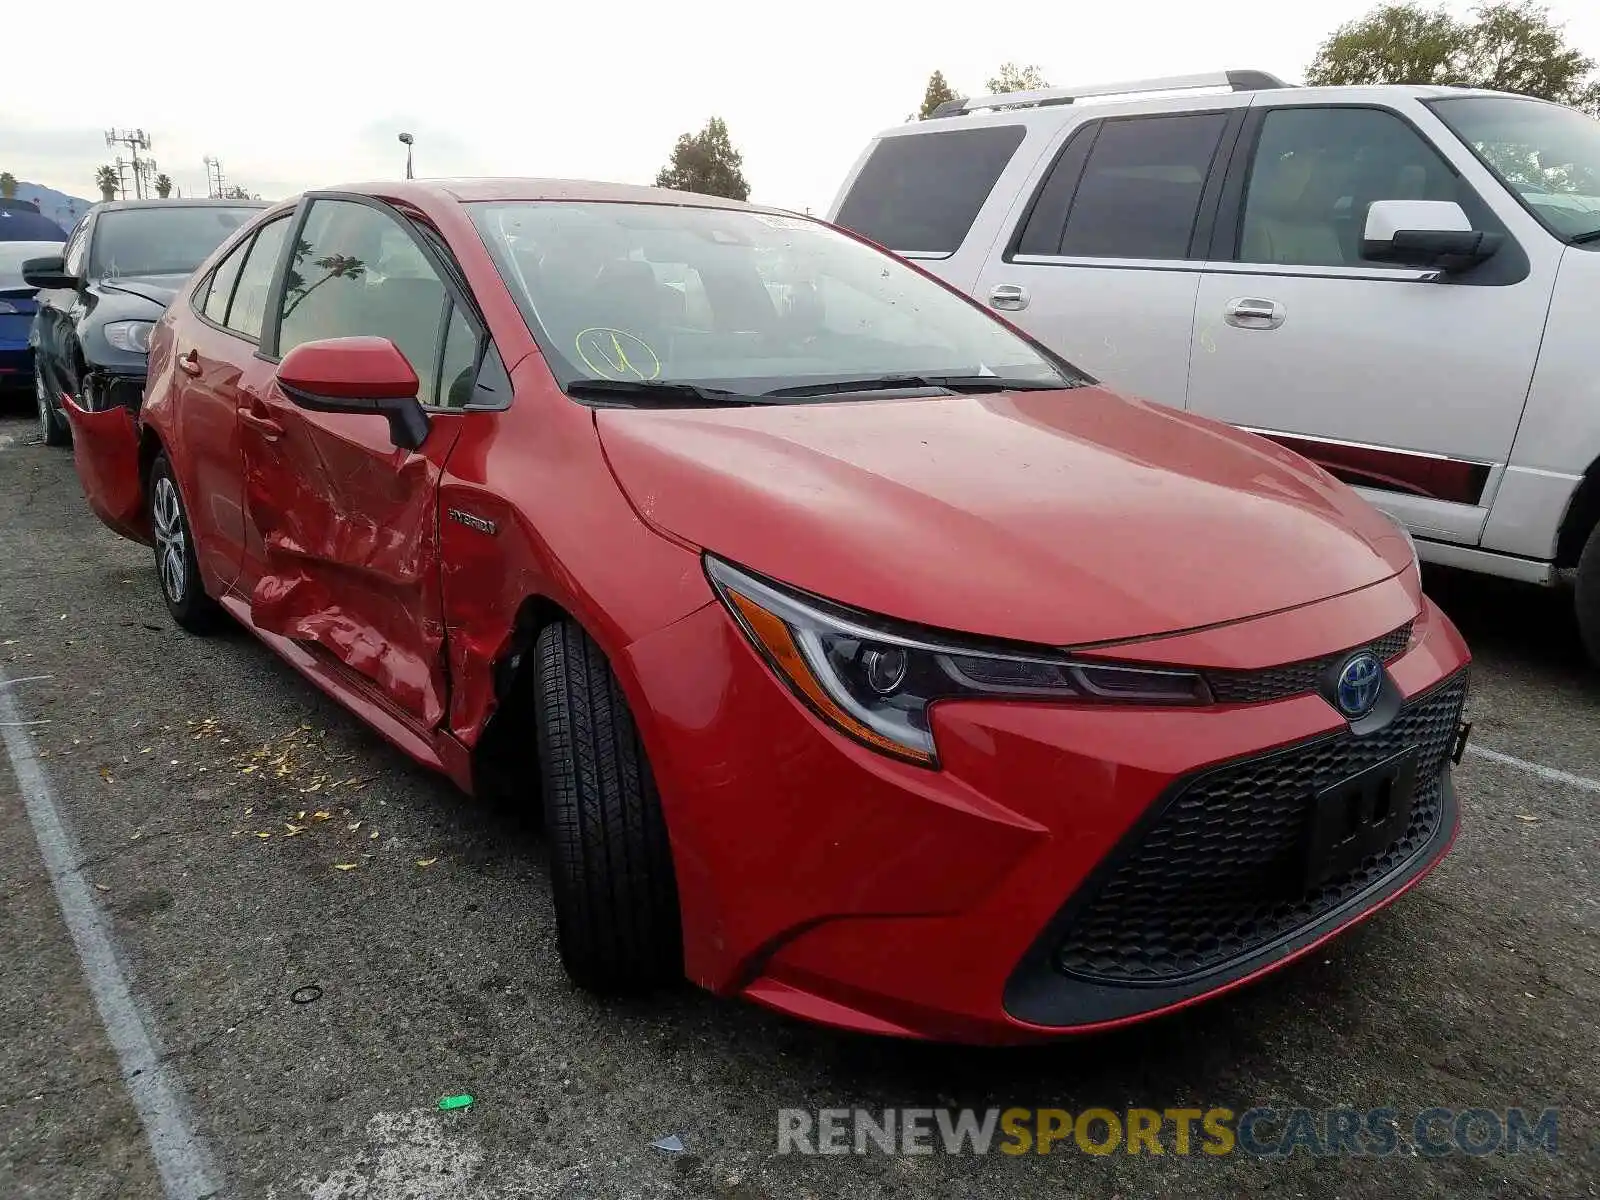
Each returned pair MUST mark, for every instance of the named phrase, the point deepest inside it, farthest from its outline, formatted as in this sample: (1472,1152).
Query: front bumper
(990,900)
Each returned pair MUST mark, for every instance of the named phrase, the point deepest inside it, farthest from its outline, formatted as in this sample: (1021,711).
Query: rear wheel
(616,900)
(177,569)
(52,425)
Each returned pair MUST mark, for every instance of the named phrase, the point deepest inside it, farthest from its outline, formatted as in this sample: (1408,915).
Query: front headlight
(876,680)
(132,336)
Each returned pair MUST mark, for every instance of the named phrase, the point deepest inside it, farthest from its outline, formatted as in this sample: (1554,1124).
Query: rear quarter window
(920,193)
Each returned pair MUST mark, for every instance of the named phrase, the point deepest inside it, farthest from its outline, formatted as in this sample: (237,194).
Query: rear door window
(220,288)
(920,193)
(1139,194)
(255,281)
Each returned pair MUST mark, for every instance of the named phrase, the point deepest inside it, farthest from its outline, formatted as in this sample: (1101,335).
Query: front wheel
(177,569)
(53,426)
(616,899)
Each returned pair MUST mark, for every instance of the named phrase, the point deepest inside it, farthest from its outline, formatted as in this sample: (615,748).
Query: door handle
(189,363)
(265,426)
(1009,296)
(1249,312)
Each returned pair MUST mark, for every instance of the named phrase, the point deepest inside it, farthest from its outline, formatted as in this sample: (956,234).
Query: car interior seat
(1289,214)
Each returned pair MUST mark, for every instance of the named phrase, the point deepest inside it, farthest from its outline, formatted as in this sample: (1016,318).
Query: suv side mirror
(48,274)
(1425,233)
(357,375)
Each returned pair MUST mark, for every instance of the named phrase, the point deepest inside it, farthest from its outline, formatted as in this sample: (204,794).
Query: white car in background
(1400,283)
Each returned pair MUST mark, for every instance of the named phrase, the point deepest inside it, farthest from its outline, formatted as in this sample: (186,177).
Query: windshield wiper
(953,383)
(1583,239)
(658,390)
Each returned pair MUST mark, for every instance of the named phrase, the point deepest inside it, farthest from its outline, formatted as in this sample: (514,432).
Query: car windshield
(736,300)
(1549,156)
(14,254)
(160,241)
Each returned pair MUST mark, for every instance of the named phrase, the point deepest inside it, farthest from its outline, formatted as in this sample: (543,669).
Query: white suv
(1400,283)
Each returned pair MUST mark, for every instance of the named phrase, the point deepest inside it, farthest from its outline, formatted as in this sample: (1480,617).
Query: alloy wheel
(171,539)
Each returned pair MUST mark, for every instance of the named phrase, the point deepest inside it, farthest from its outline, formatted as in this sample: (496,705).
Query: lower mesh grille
(1296,678)
(1219,872)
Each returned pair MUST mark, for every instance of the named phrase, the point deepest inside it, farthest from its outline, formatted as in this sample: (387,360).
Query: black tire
(616,901)
(177,570)
(1586,595)
(53,427)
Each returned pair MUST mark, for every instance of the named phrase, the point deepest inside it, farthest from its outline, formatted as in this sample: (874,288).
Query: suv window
(1140,192)
(334,288)
(255,280)
(1317,170)
(921,192)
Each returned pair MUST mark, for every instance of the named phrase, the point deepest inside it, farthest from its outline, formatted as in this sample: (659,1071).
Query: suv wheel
(616,901)
(177,569)
(52,425)
(1586,595)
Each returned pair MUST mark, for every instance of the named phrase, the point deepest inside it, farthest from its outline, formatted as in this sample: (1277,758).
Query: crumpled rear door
(105,449)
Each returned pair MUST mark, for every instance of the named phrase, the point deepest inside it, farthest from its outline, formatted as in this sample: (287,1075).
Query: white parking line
(1543,772)
(181,1159)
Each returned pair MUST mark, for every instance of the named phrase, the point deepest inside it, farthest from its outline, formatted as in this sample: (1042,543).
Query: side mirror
(1432,234)
(48,274)
(357,375)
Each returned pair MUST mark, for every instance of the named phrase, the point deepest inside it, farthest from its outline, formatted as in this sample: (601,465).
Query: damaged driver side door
(341,541)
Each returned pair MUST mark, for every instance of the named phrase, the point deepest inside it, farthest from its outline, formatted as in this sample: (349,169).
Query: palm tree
(108,181)
(8,185)
(163,185)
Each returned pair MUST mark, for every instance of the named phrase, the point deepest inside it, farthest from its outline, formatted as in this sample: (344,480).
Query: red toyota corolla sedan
(867,660)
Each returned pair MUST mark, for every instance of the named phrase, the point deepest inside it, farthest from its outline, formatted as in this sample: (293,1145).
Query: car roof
(1155,101)
(198,202)
(475,189)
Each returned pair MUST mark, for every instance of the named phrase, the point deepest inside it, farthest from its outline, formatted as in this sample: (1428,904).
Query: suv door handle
(1008,296)
(189,363)
(266,427)
(1248,312)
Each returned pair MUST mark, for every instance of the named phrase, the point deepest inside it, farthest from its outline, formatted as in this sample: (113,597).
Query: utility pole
(406,140)
(213,177)
(135,140)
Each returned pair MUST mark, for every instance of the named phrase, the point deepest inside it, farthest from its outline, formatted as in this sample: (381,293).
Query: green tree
(108,181)
(1013,78)
(937,92)
(8,185)
(706,162)
(163,185)
(1506,46)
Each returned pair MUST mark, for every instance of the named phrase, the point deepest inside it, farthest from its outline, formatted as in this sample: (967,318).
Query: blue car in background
(17,307)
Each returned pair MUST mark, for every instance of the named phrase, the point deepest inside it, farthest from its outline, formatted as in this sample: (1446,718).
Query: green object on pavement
(448,1102)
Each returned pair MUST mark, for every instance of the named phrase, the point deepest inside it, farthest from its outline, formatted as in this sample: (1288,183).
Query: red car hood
(1061,518)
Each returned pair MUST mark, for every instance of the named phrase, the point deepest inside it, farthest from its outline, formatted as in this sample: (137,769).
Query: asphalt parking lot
(307,1018)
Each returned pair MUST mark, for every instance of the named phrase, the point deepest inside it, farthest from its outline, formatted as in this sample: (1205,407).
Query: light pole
(405,140)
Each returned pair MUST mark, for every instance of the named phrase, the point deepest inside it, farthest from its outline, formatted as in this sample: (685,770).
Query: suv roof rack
(1238,81)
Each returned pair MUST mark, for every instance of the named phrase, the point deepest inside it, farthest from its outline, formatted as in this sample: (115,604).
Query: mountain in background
(59,207)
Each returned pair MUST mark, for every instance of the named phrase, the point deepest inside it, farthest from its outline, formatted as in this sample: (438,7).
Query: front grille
(1296,678)
(1218,873)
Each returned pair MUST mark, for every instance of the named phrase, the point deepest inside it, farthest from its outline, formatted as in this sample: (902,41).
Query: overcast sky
(306,93)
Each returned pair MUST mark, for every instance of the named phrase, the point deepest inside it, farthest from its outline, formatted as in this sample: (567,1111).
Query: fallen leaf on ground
(374,834)
(345,866)
(264,835)
(1526,817)
(321,816)
(426,862)
(294,829)
(353,827)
